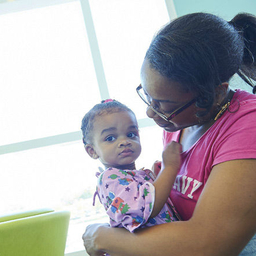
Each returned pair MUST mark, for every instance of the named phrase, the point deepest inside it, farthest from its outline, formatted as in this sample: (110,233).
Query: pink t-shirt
(232,136)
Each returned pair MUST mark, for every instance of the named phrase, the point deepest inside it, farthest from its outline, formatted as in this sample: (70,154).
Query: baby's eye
(132,134)
(110,138)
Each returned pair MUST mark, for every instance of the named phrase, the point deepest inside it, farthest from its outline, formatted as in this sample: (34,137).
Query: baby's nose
(124,142)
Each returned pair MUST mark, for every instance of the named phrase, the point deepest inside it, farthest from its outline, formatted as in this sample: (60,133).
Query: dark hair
(105,107)
(245,24)
(201,51)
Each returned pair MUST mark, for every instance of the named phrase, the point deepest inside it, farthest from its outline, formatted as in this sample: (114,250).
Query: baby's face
(116,139)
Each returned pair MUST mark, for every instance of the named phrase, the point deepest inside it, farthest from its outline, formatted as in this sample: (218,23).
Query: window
(58,59)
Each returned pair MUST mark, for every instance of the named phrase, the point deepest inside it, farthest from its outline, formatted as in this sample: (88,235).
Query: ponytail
(245,24)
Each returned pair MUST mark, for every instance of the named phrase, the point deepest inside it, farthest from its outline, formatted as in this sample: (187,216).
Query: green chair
(40,232)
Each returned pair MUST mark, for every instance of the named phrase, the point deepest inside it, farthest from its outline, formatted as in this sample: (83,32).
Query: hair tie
(254,89)
(231,23)
(107,100)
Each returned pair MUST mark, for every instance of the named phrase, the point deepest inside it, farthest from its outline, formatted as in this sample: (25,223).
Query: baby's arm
(166,178)
(124,194)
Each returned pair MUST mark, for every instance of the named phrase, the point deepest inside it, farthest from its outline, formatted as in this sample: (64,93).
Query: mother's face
(166,96)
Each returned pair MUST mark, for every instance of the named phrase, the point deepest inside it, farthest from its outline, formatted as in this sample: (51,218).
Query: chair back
(35,233)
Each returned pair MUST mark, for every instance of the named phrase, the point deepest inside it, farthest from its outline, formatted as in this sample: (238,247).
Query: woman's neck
(193,133)
(190,135)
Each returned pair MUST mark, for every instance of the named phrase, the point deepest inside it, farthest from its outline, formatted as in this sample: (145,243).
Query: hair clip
(107,100)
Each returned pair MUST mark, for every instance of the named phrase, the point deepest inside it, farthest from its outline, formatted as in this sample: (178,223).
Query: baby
(132,198)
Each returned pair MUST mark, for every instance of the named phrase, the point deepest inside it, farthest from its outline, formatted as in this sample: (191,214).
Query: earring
(222,110)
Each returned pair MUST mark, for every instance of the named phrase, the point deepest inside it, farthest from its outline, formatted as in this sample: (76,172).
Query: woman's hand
(90,239)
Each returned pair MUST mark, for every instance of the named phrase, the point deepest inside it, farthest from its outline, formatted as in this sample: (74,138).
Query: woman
(185,83)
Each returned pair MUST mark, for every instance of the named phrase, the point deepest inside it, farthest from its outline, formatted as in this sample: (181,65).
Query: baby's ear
(90,151)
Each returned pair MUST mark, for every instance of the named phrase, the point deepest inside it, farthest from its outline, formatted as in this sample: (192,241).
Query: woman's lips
(168,127)
(162,125)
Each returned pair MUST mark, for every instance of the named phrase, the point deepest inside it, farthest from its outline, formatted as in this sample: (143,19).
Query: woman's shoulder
(242,104)
(239,116)
(242,95)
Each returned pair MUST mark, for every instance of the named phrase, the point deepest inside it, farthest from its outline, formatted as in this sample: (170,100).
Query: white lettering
(176,184)
(182,183)
(184,189)
(196,186)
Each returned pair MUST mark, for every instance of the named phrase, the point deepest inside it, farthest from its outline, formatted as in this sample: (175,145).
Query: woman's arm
(223,222)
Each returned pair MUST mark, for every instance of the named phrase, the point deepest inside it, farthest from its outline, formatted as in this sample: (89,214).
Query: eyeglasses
(167,118)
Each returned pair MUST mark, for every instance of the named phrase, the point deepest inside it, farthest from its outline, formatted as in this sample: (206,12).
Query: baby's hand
(156,168)
(171,155)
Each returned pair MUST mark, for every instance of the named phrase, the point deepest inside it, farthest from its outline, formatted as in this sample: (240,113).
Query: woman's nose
(150,113)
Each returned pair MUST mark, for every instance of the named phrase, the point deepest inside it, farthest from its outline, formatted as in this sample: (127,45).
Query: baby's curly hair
(105,107)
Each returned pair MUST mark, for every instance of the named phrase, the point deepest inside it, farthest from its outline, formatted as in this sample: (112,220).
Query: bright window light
(124,31)
(47,72)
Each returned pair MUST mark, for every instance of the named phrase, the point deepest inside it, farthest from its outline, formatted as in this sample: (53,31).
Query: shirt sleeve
(127,197)
(237,140)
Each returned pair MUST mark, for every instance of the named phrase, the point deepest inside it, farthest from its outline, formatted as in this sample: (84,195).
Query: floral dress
(128,198)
